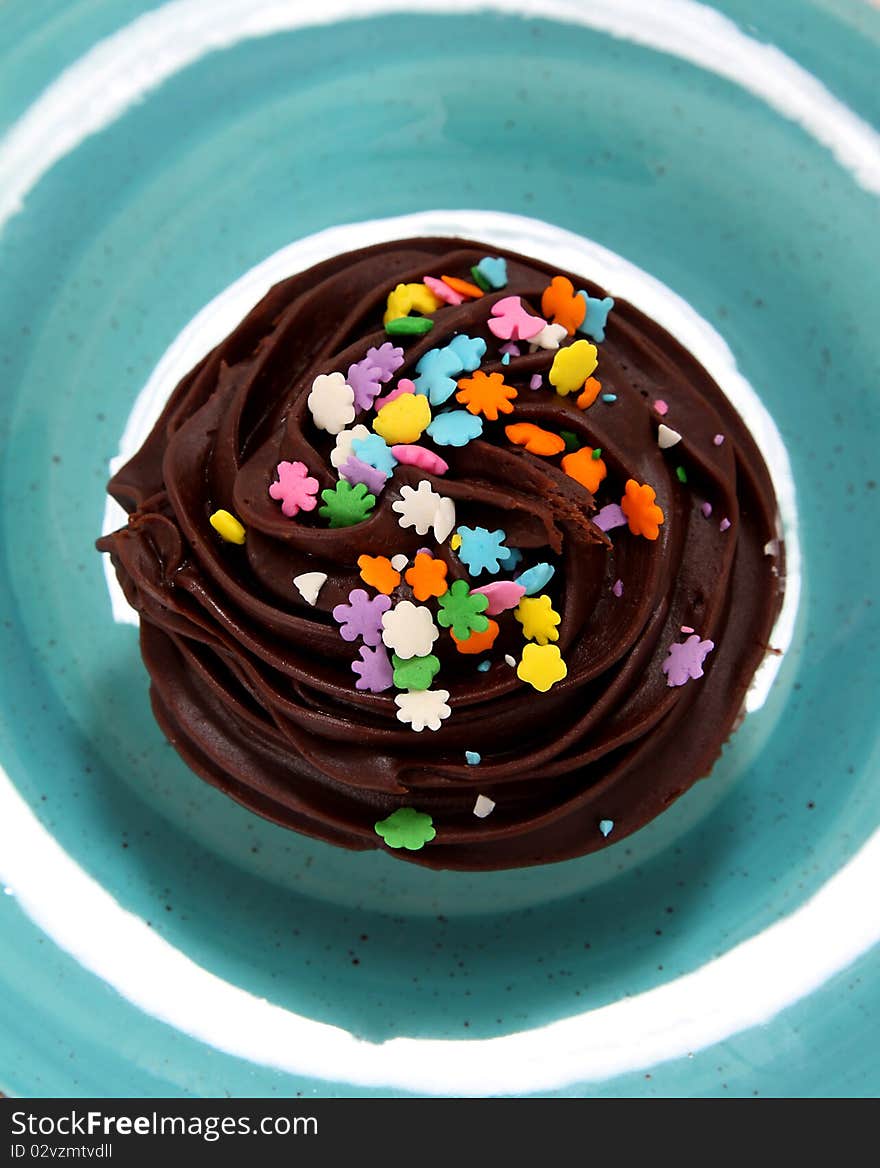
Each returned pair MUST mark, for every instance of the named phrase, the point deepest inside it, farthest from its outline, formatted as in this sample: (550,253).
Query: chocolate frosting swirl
(254,687)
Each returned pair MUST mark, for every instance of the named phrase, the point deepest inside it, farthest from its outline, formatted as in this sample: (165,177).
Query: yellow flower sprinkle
(572,366)
(541,666)
(404,419)
(538,619)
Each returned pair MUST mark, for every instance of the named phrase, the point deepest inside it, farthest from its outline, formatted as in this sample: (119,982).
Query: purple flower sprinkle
(510,349)
(536,382)
(618,588)
(361,617)
(610,517)
(706,508)
(718,439)
(685,661)
(374,670)
(366,383)
(724,524)
(367,376)
(354,471)
(387,357)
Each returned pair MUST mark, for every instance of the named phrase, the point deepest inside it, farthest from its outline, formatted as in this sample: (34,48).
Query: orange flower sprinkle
(534,439)
(378,573)
(463,287)
(477,642)
(642,513)
(486,394)
(562,304)
(591,390)
(427,577)
(585,469)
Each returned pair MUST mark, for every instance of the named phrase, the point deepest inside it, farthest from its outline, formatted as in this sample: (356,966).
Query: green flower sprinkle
(461,610)
(406,828)
(345,505)
(681,474)
(416,673)
(570,439)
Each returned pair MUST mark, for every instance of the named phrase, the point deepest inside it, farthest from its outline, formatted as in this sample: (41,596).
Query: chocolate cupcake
(442,551)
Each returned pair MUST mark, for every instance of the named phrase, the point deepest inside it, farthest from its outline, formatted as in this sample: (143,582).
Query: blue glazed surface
(126,238)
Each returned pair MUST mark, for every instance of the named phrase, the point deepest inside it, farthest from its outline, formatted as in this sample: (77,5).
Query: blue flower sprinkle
(484,666)
(469,350)
(512,560)
(481,550)
(606,826)
(455,428)
(594,322)
(436,371)
(494,270)
(473,757)
(375,452)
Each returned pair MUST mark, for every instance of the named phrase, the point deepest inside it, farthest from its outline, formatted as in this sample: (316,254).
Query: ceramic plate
(160,163)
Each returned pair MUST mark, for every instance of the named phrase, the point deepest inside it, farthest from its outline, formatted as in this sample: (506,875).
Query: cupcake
(442,551)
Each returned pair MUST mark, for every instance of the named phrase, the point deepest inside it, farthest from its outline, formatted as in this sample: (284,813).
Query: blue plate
(157,939)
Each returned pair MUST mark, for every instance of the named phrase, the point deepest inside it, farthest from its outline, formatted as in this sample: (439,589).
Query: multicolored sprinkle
(386,426)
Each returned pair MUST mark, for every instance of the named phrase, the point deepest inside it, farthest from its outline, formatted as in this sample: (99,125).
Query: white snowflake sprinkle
(417,508)
(331,402)
(342,451)
(408,630)
(421,709)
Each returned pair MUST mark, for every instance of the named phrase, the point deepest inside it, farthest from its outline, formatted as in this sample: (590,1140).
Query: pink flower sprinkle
(661,407)
(443,291)
(403,386)
(686,629)
(511,322)
(718,439)
(295,488)
(418,456)
(724,524)
(706,508)
(618,588)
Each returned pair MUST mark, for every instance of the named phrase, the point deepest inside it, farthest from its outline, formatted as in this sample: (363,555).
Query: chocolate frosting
(254,687)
